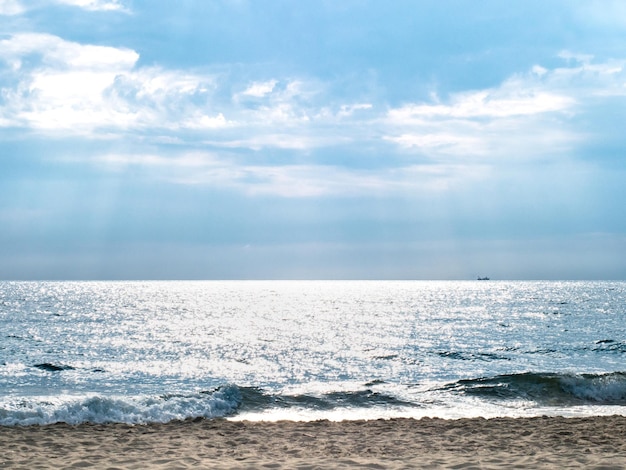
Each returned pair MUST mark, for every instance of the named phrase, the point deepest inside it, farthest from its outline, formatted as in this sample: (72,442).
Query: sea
(146,351)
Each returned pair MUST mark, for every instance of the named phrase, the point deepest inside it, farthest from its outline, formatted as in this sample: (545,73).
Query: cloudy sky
(325,139)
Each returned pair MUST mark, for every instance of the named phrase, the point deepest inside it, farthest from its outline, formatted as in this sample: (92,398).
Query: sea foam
(119,409)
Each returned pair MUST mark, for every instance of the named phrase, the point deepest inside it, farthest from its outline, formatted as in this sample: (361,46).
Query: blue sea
(141,352)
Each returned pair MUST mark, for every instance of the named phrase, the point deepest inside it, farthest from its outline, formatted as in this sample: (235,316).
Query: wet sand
(545,442)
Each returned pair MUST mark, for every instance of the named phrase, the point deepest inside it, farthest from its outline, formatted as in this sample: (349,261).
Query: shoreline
(546,442)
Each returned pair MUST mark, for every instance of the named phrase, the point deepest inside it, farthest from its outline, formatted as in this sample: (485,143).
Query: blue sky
(237,139)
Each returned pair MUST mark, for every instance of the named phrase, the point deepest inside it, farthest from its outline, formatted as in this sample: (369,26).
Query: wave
(255,399)
(221,402)
(49,367)
(119,409)
(469,356)
(609,346)
(548,388)
(538,389)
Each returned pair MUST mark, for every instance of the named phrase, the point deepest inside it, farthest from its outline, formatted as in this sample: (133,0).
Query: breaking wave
(119,409)
(255,399)
(548,388)
(221,402)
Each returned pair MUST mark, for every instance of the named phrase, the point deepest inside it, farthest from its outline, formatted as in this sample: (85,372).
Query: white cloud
(11,7)
(326,180)
(260,89)
(54,84)
(293,181)
(191,160)
(50,84)
(16,7)
(203,121)
(437,141)
(96,5)
(584,78)
(272,103)
(529,115)
(576,58)
(80,88)
(348,110)
(486,104)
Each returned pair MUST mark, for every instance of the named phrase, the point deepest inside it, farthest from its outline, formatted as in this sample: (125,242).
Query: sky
(312,139)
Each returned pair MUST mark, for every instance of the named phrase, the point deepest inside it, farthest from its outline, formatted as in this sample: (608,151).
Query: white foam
(118,409)
(603,388)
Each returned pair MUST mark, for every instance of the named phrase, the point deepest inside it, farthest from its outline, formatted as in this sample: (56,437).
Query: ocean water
(141,352)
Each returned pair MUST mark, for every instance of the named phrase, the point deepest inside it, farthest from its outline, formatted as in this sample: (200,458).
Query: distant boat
(483,278)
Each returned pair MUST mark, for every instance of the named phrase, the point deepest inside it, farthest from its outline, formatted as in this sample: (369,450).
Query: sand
(595,442)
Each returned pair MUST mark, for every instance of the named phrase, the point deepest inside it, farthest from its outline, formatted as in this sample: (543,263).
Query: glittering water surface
(155,351)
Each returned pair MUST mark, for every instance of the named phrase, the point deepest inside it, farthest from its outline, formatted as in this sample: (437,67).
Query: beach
(312,374)
(542,442)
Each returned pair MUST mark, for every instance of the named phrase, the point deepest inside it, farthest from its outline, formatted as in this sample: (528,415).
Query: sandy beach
(554,442)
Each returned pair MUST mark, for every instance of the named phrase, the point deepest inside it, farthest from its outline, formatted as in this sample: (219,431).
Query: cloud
(437,141)
(291,102)
(55,52)
(11,7)
(260,89)
(504,102)
(350,109)
(16,7)
(96,5)
(61,84)
(286,141)
(586,79)
(54,84)
(529,115)
(51,85)
(291,180)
